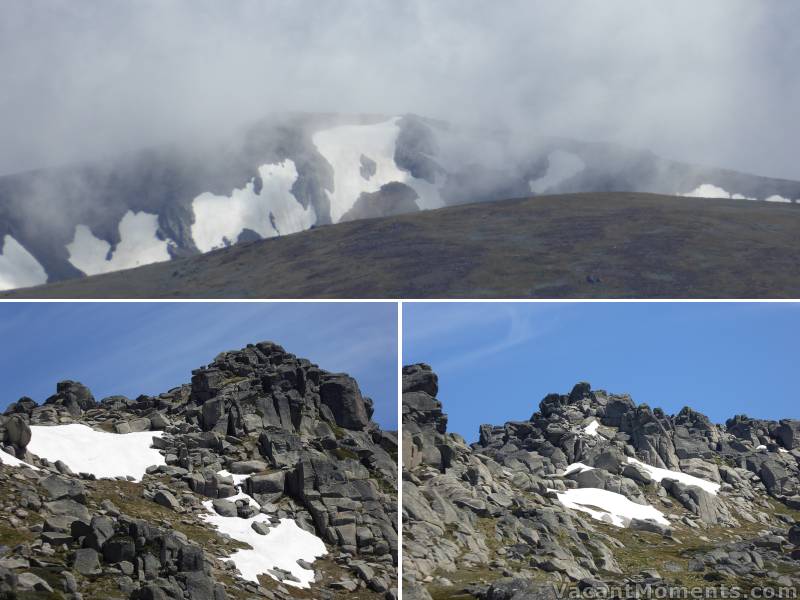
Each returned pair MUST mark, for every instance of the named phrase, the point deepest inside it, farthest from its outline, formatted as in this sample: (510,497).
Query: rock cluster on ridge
(296,439)
(490,520)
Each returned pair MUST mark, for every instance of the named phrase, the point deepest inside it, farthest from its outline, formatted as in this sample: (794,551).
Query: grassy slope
(638,551)
(637,245)
(128,497)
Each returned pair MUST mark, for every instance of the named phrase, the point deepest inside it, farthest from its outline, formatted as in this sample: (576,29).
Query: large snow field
(273,211)
(343,147)
(659,474)
(561,166)
(280,548)
(609,507)
(86,450)
(139,245)
(18,267)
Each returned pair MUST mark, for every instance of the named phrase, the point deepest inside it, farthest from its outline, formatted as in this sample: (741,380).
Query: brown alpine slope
(603,245)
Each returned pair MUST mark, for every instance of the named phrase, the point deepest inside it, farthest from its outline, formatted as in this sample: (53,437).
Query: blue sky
(147,348)
(497,361)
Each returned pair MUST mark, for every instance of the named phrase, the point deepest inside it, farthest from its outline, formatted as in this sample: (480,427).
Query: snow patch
(708,190)
(343,147)
(609,507)
(18,267)
(86,450)
(783,451)
(777,198)
(273,211)
(659,474)
(761,448)
(281,548)
(579,467)
(237,479)
(591,428)
(561,166)
(139,245)
(13,461)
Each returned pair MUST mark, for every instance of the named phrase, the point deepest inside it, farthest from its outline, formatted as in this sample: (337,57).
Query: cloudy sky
(496,361)
(713,82)
(148,348)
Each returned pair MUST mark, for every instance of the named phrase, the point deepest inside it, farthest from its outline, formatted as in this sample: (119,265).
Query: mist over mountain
(135,134)
(707,83)
(289,173)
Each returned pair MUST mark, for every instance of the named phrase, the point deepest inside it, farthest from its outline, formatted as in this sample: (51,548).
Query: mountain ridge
(263,458)
(289,172)
(671,500)
(612,245)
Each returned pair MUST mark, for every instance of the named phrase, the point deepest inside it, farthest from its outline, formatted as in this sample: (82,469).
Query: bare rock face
(341,395)
(393,198)
(424,423)
(263,386)
(510,503)
(420,378)
(17,433)
(788,433)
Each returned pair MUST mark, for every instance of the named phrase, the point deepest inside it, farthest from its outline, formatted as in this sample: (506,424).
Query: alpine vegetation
(264,477)
(595,493)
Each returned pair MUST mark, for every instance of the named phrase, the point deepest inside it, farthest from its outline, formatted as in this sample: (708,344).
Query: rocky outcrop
(15,434)
(301,439)
(263,386)
(424,423)
(393,198)
(788,434)
(507,504)
(73,396)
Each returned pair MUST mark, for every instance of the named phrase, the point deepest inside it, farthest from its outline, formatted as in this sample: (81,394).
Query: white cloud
(675,77)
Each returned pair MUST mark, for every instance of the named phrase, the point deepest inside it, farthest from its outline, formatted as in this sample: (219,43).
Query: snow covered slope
(609,507)
(289,173)
(18,268)
(281,548)
(13,461)
(139,245)
(363,160)
(86,450)
(661,474)
(269,209)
